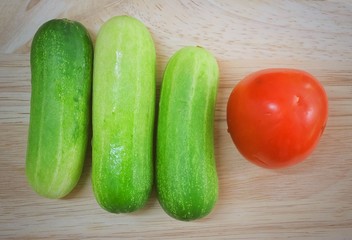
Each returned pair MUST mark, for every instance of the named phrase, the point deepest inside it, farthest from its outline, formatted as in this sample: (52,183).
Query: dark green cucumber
(123,115)
(186,176)
(61,67)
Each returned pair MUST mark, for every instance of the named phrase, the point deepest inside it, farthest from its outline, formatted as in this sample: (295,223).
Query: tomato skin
(276,116)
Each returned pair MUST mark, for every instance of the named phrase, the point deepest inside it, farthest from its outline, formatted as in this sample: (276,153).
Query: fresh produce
(277,116)
(61,67)
(123,115)
(186,177)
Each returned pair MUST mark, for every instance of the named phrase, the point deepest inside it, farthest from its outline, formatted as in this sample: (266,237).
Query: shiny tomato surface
(276,116)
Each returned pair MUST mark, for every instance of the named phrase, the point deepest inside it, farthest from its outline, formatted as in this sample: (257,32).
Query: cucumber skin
(123,115)
(186,176)
(61,67)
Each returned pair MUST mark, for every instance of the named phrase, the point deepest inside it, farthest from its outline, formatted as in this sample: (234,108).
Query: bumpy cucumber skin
(61,67)
(186,176)
(123,115)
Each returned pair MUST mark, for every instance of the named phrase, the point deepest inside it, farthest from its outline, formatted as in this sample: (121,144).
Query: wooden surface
(312,200)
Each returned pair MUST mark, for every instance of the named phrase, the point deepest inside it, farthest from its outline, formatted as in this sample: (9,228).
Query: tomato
(277,116)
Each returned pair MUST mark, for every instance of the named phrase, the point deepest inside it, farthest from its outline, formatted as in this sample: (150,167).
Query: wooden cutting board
(312,200)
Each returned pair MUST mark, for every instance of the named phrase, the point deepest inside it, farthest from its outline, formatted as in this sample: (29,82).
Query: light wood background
(312,200)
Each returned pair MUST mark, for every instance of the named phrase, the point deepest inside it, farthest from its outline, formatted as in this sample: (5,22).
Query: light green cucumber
(123,115)
(61,67)
(186,176)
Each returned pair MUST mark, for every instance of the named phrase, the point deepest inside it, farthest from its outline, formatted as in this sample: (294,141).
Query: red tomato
(276,116)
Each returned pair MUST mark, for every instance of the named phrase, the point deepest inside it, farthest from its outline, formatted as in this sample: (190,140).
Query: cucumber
(186,176)
(123,115)
(61,66)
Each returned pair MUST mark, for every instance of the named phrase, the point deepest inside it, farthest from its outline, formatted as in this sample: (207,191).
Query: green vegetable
(61,67)
(186,177)
(123,115)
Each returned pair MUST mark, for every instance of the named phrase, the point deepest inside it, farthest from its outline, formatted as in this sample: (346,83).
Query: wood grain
(312,200)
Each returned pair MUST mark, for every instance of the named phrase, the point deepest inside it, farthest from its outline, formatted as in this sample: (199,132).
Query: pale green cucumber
(186,176)
(123,115)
